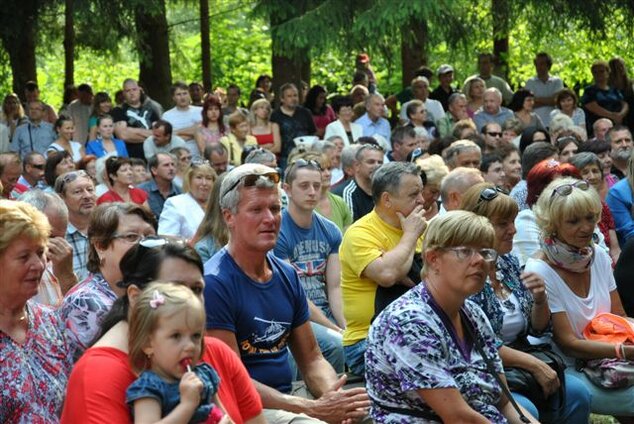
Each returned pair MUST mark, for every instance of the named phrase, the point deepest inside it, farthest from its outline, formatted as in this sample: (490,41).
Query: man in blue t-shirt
(255,303)
(311,242)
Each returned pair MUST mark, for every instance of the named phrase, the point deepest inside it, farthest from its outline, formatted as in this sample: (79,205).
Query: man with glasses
(620,138)
(77,190)
(34,136)
(310,243)
(255,303)
(492,134)
(377,253)
(358,192)
(163,170)
(33,171)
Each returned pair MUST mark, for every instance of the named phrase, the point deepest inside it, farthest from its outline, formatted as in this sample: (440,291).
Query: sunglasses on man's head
(251,180)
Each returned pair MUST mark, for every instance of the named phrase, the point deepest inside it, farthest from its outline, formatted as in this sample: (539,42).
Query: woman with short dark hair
(113,229)
(121,176)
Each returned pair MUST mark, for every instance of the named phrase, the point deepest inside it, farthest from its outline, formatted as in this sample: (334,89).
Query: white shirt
(181,216)
(180,119)
(545,89)
(434,108)
(561,299)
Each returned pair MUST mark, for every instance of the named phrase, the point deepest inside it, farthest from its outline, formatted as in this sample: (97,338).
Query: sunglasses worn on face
(250,180)
(566,189)
(495,134)
(38,166)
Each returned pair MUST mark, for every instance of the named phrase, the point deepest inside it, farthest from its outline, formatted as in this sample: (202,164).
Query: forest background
(102,42)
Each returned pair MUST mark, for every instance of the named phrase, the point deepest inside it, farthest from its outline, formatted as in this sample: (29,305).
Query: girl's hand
(190,388)
(535,284)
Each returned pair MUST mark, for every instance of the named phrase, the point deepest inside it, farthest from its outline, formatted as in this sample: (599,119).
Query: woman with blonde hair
(580,285)
(212,233)
(182,214)
(474,90)
(35,355)
(516,304)
(266,133)
(434,169)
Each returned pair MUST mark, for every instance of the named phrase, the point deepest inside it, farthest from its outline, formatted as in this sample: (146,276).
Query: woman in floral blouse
(114,228)
(34,359)
(516,305)
(422,364)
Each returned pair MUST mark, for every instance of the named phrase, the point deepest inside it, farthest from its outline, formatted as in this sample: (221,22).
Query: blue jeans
(330,346)
(355,357)
(618,402)
(577,409)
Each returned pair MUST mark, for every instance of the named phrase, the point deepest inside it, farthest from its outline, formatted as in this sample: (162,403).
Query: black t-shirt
(301,123)
(141,117)
(442,96)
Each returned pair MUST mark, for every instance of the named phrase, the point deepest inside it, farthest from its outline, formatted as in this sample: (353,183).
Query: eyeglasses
(250,180)
(490,193)
(185,158)
(464,253)
(67,178)
(494,134)
(566,189)
(128,237)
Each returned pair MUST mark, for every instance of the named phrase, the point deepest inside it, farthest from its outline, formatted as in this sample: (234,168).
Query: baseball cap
(444,69)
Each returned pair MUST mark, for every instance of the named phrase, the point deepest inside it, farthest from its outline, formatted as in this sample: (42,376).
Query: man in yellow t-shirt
(378,250)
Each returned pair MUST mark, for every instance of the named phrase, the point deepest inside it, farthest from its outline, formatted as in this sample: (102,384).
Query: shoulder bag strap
(491,368)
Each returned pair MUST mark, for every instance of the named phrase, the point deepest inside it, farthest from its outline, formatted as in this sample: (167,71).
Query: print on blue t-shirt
(308,249)
(261,315)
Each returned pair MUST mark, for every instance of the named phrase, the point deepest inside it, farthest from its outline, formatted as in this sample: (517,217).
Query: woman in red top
(98,382)
(120,175)
(267,133)
(322,113)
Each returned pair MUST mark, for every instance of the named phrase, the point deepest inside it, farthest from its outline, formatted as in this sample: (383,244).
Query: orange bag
(609,328)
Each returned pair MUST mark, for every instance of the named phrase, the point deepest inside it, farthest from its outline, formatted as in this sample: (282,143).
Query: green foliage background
(241,50)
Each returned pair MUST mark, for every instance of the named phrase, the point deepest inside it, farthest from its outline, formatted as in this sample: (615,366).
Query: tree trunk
(413,48)
(20,44)
(155,71)
(500,11)
(205,44)
(288,66)
(69,44)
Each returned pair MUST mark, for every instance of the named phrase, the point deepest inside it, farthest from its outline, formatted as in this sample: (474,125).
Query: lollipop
(186,364)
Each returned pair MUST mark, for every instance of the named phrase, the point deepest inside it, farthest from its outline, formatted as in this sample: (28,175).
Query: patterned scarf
(566,256)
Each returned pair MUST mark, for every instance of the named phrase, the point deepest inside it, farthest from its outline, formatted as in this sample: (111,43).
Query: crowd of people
(305,257)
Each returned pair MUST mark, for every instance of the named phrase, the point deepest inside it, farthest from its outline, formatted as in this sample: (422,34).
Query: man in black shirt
(358,193)
(444,90)
(133,119)
(293,119)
